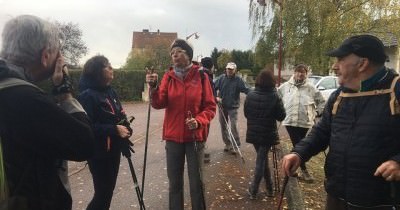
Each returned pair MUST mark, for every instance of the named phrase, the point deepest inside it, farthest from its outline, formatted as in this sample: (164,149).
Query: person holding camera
(188,100)
(104,108)
(38,131)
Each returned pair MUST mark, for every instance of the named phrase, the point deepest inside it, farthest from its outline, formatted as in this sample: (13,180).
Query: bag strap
(4,84)
(393,103)
(11,82)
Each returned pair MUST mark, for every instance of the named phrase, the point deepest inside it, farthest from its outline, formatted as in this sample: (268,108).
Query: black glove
(126,147)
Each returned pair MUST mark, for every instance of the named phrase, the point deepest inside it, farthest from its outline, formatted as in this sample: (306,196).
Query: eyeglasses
(230,69)
(177,50)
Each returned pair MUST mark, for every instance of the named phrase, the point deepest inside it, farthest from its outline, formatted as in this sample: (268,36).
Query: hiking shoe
(251,195)
(232,151)
(270,193)
(269,188)
(307,177)
(227,148)
(206,158)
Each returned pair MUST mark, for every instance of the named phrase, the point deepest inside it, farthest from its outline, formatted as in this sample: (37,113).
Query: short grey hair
(26,36)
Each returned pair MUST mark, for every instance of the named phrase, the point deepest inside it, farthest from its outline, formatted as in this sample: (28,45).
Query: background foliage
(129,85)
(74,48)
(311,27)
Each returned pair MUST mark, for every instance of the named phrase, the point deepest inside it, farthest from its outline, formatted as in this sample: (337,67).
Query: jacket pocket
(311,112)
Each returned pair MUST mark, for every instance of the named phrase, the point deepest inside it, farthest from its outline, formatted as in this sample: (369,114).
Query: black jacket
(36,133)
(262,108)
(361,135)
(105,112)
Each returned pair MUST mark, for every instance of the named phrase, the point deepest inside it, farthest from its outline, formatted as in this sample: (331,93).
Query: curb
(293,192)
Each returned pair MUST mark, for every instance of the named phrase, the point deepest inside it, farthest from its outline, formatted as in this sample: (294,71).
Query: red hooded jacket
(178,96)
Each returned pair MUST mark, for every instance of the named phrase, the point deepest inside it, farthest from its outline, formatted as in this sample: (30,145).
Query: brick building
(145,40)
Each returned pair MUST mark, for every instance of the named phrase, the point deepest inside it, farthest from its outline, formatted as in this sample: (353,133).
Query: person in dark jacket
(262,108)
(228,87)
(207,67)
(189,107)
(104,108)
(360,125)
(39,132)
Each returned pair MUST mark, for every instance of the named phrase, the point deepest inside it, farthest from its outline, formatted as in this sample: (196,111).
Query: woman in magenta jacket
(186,95)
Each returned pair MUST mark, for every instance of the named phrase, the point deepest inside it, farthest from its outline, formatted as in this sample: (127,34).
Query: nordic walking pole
(232,138)
(276,170)
(127,153)
(150,71)
(196,150)
(285,182)
(126,150)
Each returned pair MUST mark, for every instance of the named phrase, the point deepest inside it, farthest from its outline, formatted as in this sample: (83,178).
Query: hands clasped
(389,170)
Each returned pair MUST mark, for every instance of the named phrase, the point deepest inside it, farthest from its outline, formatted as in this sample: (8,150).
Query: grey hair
(26,36)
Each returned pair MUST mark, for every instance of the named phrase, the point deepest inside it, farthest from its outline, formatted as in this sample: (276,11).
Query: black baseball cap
(366,46)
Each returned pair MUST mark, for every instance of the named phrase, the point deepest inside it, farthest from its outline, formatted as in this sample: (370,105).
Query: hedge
(129,85)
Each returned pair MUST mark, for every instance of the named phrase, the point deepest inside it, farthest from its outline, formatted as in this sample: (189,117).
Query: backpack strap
(11,82)
(4,84)
(336,104)
(393,103)
(3,181)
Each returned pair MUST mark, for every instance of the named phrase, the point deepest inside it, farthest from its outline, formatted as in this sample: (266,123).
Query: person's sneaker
(206,158)
(227,148)
(232,151)
(270,193)
(307,177)
(251,195)
(269,189)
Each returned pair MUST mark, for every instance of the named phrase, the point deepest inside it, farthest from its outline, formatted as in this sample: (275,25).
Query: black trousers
(104,172)
(296,134)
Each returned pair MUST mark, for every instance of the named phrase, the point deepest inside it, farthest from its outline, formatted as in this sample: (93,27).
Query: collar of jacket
(293,82)
(369,83)
(10,70)
(190,72)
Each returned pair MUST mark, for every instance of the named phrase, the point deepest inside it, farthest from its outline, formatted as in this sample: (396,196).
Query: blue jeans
(262,168)
(231,117)
(176,152)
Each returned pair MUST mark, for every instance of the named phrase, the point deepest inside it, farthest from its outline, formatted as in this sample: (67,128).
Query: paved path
(226,176)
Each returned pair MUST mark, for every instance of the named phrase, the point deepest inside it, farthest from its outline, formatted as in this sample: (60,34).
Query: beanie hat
(184,46)
(206,62)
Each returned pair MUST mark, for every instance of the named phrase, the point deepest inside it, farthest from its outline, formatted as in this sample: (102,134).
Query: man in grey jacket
(228,87)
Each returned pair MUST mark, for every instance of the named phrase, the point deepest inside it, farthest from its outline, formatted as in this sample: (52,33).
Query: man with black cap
(360,125)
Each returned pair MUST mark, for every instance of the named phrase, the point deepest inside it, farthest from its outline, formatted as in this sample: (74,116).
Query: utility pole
(280,53)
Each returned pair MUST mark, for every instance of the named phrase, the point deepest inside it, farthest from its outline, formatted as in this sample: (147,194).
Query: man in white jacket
(303,102)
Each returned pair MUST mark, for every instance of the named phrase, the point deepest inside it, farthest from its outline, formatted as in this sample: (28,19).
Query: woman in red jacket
(187,97)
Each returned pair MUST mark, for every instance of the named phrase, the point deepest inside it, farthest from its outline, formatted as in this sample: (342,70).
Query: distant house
(145,40)
(392,50)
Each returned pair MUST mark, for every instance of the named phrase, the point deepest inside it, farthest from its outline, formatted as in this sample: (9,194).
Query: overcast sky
(107,25)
